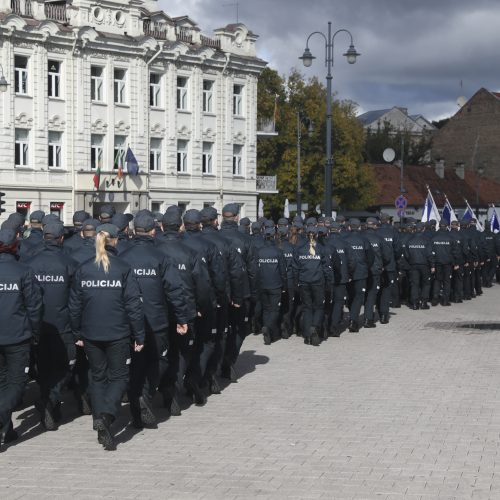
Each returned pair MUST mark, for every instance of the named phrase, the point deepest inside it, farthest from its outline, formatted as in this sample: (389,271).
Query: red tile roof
(416,178)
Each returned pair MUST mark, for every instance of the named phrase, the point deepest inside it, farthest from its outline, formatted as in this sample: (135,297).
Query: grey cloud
(414,54)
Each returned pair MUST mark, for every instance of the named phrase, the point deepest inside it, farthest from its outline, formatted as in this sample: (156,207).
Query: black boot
(147,415)
(369,323)
(266,335)
(104,435)
(384,319)
(214,385)
(353,327)
(315,341)
(46,415)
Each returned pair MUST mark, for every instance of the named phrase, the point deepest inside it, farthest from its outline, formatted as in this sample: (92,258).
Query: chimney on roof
(440,168)
(460,170)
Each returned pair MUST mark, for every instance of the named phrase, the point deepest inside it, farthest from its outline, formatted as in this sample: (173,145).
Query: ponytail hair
(101,255)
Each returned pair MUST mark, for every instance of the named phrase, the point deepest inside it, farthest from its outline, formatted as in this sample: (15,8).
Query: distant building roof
(372,116)
(416,178)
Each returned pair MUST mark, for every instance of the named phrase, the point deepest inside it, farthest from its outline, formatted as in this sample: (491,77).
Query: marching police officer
(34,241)
(56,354)
(271,281)
(106,311)
(162,296)
(21,310)
(73,239)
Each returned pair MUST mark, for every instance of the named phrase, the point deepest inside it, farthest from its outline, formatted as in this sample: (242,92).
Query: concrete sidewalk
(406,410)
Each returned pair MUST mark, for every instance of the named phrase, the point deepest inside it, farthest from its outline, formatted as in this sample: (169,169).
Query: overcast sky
(415,54)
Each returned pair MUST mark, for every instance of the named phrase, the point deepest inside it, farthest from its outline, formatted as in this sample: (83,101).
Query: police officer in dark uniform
(490,262)
(418,253)
(206,329)
(86,250)
(196,283)
(457,281)
(244,226)
(162,296)
(106,213)
(56,355)
(239,316)
(271,280)
(340,265)
(21,310)
(74,239)
(312,275)
(472,259)
(233,271)
(106,311)
(121,221)
(445,259)
(381,257)
(360,259)
(34,241)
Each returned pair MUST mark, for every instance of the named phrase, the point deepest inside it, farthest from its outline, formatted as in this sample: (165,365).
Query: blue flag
(468,214)
(132,164)
(448,213)
(494,222)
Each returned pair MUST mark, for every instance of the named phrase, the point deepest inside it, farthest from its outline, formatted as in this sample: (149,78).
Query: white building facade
(91,80)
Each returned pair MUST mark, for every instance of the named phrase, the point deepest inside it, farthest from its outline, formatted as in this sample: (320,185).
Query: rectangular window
(237,160)
(54,87)
(120,76)
(55,150)
(182,92)
(182,156)
(96,151)
(238,100)
(183,205)
(155,155)
(97,83)
(156,206)
(155,90)
(207,159)
(22,147)
(120,152)
(21,74)
(207,96)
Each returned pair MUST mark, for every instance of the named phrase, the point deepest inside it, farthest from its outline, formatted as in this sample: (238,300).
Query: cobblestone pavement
(407,410)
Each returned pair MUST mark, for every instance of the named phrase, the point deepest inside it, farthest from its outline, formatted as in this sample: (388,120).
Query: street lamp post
(307,59)
(301,119)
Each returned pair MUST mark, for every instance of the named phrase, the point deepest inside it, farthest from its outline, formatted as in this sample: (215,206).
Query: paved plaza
(406,410)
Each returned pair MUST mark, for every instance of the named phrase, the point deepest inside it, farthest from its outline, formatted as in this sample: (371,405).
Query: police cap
(231,209)
(55,229)
(80,216)
(335,225)
(107,211)
(322,230)
(121,221)
(269,223)
(17,218)
(311,221)
(171,218)
(283,221)
(37,216)
(270,231)
(340,218)
(111,229)
(384,217)
(354,222)
(371,221)
(298,224)
(256,226)
(312,229)
(283,230)
(192,216)
(50,218)
(298,218)
(7,236)
(90,224)
(420,225)
(147,212)
(144,222)
(245,222)
(208,214)
(443,223)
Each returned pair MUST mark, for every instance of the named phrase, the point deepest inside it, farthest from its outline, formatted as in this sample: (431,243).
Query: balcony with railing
(21,7)
(184,35)
(267,184)
(210,42)
(56,12)
(156,30)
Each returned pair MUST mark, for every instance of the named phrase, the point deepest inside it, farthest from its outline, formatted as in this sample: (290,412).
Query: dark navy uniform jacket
(158,281)
(232,262)
(54,271)
(418,250)
(106,306)
(20,301)
(312,269)
(287,248)
(31,244)
(381,252)
(85,251)
(360,257)
(271,268)
(392,240)
(242,243)
(445,249)
(338,247)
(194,277)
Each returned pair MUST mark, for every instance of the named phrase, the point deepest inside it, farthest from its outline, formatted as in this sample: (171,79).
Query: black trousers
(339,298)
(468,284)
(204,346)
(420,283)
(287,308)
(457,283)
(442,282)
(478,279)
(221,327)
(373,289)
(389,292)
(148,366)
(56,358)
(109,371)
(239,318)
(312,297)
(356,290)
(14,367)
(271,308)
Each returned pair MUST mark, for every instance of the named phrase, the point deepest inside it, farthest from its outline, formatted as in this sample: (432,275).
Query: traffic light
(2,202)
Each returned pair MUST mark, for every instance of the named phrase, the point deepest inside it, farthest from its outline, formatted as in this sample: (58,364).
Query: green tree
(353,183)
